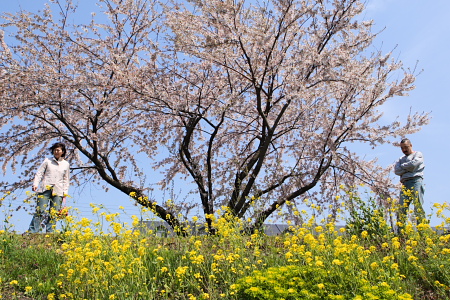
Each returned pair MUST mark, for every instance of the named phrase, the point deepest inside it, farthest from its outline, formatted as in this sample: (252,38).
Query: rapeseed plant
(108,259)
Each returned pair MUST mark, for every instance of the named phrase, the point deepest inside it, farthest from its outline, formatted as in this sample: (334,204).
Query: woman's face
(57,153)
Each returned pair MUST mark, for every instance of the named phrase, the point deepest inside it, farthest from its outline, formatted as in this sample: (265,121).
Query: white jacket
(53,173)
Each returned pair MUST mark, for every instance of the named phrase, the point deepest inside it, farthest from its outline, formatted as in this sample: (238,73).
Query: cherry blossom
(255,103)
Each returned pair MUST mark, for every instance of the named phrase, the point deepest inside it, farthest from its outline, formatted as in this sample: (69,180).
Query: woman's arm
(39,175)
(66,183)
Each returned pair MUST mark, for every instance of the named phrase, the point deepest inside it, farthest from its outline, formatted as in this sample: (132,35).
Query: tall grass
(105,259)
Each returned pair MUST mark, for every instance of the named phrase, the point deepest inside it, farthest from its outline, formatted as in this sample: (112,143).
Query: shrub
(367,216)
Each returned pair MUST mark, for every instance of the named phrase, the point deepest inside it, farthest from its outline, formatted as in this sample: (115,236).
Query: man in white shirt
(52,184)
(410,168)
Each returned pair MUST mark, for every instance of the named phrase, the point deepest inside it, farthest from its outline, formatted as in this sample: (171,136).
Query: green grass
(31,260)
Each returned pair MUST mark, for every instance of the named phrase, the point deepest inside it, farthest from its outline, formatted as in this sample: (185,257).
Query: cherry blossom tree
(71,82)
(294,85)
(256,103)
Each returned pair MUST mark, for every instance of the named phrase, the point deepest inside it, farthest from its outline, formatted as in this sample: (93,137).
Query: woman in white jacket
(52,184)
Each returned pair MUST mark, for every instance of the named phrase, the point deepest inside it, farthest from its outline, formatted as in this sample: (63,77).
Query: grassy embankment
(314,261)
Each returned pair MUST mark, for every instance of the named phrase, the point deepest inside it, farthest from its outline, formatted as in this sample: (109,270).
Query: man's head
(406,146)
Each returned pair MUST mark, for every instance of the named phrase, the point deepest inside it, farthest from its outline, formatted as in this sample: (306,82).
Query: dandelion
(321,286)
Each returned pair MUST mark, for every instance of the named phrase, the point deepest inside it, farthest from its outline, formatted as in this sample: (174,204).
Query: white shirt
(53,173)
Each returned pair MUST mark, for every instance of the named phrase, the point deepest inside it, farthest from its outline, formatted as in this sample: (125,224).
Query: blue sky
(418,30)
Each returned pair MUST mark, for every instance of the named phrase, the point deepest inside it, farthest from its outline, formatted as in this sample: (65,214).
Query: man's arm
(412,164)
(398,170)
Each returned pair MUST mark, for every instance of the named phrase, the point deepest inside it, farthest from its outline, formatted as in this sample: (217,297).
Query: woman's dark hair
(59,145)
